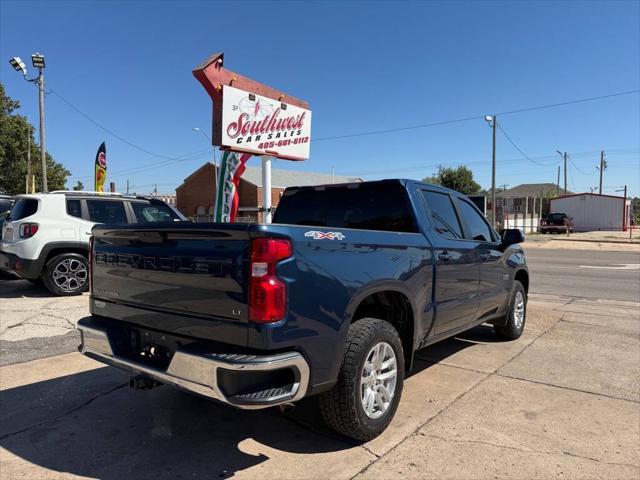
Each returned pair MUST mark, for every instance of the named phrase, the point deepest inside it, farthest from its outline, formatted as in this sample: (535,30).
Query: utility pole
(558,184)
(564,157)
(565,174)
(492,120)
(603,165)
(43,155)
(127,186)
(493,172)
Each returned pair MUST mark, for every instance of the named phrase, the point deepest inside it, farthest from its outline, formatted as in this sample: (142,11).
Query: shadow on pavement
(92,424)
(20,288)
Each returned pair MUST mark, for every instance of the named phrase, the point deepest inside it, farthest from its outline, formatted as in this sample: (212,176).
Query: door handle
(444,256)
(485,254)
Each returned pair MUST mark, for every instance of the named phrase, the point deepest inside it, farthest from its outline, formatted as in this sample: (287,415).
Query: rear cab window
(153,212)
(381,206)
(23,208)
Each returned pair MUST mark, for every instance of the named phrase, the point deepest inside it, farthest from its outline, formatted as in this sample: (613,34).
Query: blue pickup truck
(333,299)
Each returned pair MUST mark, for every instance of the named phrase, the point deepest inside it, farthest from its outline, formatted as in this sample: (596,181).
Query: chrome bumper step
(199,373)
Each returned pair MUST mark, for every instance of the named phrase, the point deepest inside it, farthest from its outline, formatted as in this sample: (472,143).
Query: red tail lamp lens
(267,293)
(28,230)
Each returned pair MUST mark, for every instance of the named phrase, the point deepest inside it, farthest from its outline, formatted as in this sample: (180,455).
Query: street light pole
(37,60)
(43,154)
(493,123)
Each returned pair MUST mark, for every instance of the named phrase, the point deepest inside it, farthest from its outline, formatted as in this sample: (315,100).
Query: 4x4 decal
(316,235)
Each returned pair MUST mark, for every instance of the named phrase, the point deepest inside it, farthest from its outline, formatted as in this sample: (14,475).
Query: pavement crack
(73,410)
(503,375)
(525,450)
(422,425)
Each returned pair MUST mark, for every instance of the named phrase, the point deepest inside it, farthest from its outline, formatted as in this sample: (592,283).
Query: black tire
(513,328)
(76,267)
(342,407)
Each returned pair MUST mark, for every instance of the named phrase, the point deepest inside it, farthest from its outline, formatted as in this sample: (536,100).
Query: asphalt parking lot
(563,401)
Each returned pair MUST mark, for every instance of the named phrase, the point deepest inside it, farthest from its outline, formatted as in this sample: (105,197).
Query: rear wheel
(363,402)
(516,316)
(67,274)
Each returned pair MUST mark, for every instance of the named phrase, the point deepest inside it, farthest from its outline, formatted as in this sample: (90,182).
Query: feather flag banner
(100,168)
(231,169)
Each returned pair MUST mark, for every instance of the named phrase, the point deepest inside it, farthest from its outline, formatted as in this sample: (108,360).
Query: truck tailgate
(186,269)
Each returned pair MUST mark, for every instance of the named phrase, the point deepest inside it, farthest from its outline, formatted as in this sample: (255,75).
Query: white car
(46,235)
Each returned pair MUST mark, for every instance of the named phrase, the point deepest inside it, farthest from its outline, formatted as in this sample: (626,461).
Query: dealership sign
(263,126)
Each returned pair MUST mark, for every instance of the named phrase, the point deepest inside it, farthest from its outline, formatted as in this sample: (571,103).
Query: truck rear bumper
(242,380)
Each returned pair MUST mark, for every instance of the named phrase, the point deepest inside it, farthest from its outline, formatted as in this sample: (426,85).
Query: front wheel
(516,316)
(66,274)
(363,402)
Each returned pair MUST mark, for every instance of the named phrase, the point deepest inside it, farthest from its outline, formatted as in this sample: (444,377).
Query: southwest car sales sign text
(263,126)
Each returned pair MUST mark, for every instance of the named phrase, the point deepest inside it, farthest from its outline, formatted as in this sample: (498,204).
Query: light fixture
(37,60)
(18,65)
(488,118)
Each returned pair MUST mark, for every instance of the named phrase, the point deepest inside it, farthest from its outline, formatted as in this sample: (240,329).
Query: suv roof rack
(88,192)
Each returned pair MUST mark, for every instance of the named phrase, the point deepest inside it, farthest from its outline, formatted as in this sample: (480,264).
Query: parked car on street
(6,202)
(46,236)
(554,223)
(332,299)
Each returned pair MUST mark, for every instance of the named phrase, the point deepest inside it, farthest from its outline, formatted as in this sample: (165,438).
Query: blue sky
(362,66)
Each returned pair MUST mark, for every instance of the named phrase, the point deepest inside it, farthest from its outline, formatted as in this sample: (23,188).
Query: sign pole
(266,189)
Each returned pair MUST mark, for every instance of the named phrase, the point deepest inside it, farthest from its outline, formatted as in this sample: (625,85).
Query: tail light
(90,257)
(267,293)
(28,230)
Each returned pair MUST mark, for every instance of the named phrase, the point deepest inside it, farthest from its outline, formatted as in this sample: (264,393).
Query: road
(585,273)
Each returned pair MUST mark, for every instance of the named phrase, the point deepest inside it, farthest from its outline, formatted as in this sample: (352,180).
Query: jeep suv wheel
(67,274)
(363,402)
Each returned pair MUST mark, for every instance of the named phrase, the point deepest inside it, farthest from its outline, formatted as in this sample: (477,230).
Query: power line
(146,167)
(592,154)
(476,117)
(521,152)
(576,167)
(111,132)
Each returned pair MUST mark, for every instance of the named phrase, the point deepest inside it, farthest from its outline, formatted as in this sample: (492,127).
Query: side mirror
(512,236)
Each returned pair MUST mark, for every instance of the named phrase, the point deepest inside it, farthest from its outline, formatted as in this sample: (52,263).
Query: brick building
(195,197)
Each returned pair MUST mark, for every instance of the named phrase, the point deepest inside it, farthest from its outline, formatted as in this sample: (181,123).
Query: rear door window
(74,209)
(152,212)
(478,228)
(443,214)
(106,211)
(23,208)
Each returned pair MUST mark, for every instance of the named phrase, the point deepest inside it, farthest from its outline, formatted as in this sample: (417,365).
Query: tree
(635,209)
(459,179)
(15,131)
(79,186)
